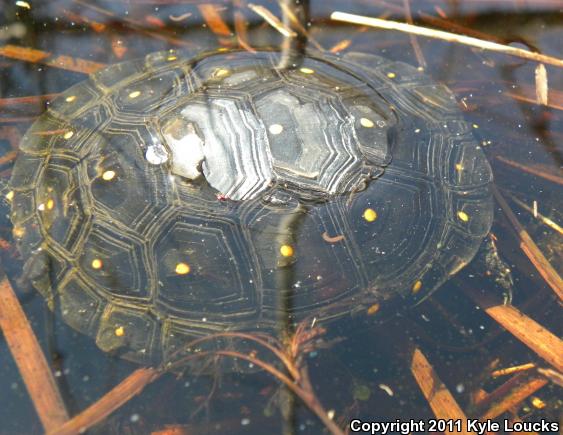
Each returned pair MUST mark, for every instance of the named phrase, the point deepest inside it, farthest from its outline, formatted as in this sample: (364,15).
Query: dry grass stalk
(537,171)
(553,375)
(172,430)
(339,46)
(446,36)
(440,399)
(527,93)
(140,27)
(213,18)
(63,62)
(544,219)
(32,99)
(10,156)
(443,22)
(530,100)
(272,20)
(295,22)
(414,42)
(509,395)
(125,390)
(548,273)
(547,345)
(31,362)
(96,26)
(511,370)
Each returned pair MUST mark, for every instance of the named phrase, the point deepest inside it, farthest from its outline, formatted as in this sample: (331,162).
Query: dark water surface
(363,366)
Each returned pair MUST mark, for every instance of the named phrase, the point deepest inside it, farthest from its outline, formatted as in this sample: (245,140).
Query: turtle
(171,197)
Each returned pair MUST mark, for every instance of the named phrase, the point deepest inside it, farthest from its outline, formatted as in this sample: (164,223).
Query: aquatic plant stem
(445,36)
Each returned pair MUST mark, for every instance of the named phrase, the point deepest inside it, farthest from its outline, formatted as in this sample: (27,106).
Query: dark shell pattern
(157,201)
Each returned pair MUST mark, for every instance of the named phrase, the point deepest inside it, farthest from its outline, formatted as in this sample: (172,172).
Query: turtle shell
(171,197)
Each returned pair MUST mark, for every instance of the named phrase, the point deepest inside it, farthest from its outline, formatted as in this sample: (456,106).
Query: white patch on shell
(229,146)
(156,154)
(187,154)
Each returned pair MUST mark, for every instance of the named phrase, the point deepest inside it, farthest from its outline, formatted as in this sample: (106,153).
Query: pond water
(382,358)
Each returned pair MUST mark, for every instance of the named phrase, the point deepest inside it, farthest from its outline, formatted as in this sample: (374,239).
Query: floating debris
(387,389)
(541,85)
(330,239)
(23,4)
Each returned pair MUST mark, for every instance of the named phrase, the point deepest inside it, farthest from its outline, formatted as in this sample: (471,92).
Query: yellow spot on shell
(370,214)
(367,123)
(10,195)
(182,268)
(50,204)
(475,125)
(108,175)
(221,72)
(416,287)
(305,70)
(275,128)
(286,250)
(464,217)
(68,134)
(134,94)
(97,263)
(373,309)
(459,167)
(70,98)
(171,58)
(18,232)
(120,331)
(391,75)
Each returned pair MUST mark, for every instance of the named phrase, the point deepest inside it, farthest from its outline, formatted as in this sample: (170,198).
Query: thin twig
(31,99)
(512,370)
(295,21)
(137,26)
(31,362)
(531,250)
(414,42)
(241,27)
(544,219)
(272,20)
(115,398)
(446,36)
(214,20)
(552,375)
(439,398)
(296,380)
(257,338)
(63,62)
(306,396)
(554,178)
(530,100)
